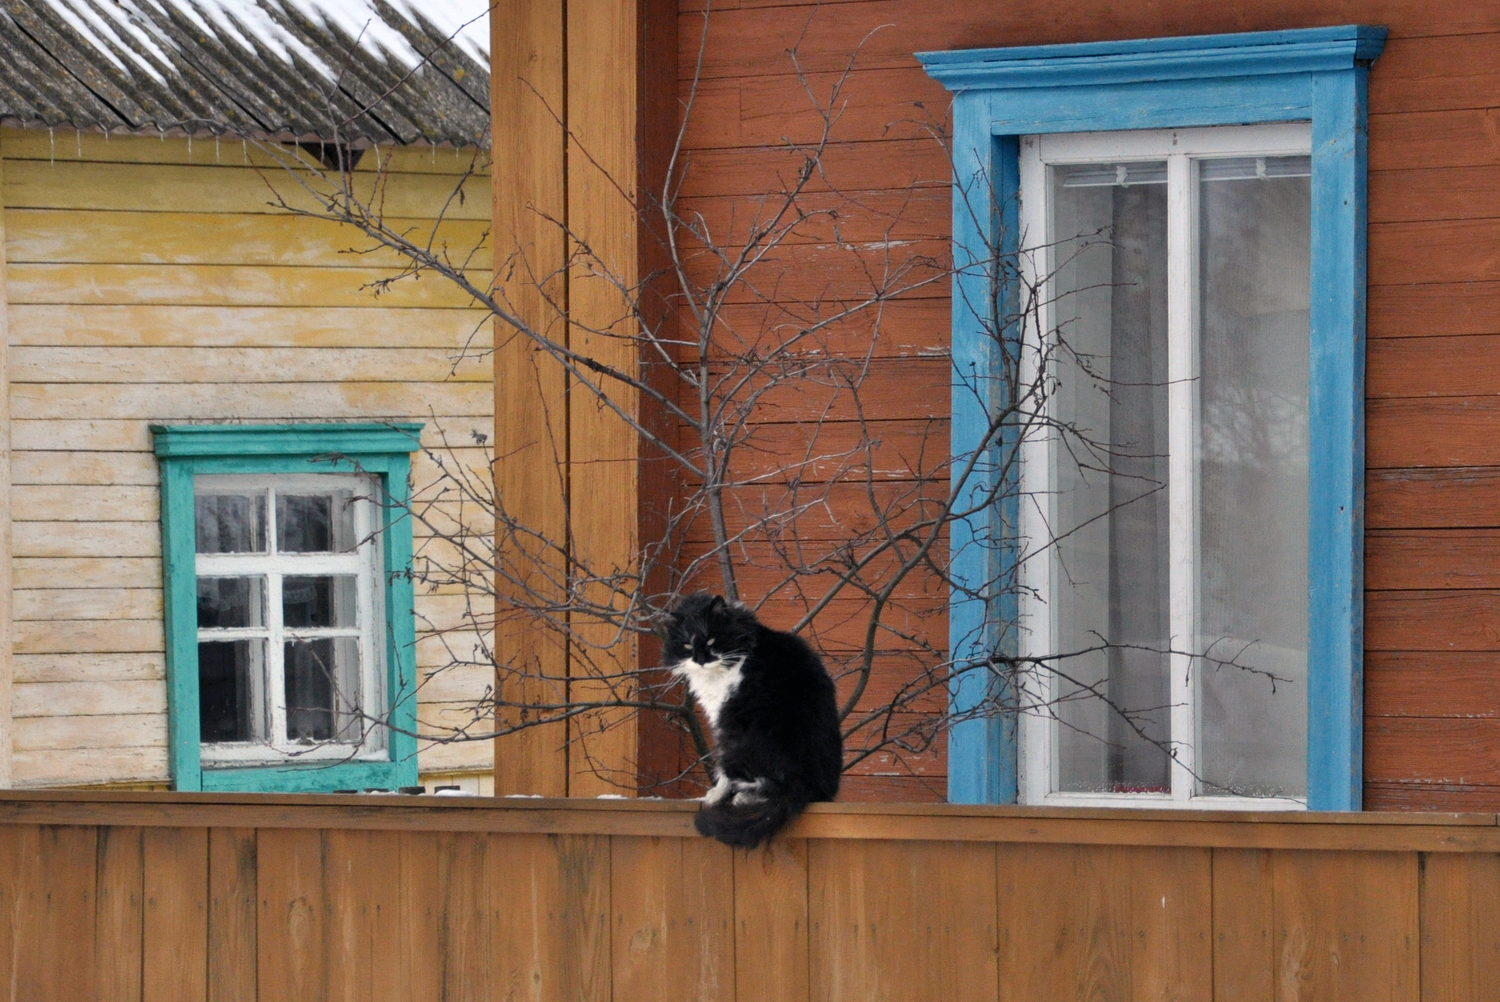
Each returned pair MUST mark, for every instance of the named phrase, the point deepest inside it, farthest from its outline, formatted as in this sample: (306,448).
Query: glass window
(289,631)
(1174,482)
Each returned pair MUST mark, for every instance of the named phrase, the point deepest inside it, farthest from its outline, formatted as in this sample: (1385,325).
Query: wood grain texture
(1244,944)
(550,899)
(35,144)
(362,881)
(466,926)
(1431,559)
(1432,684)
(292,919)
(56,915)
(672,919)
(119,905)
(174,926)
(771,922)
(280,326)
(233,867)
(1347,926)
(7,569)
(528,83)
(893,920)
(1136,923)
(1460,909)
(420,946)
(175,188)
(602,79)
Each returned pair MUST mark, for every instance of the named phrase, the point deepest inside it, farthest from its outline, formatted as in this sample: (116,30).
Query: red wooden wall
(1432,732)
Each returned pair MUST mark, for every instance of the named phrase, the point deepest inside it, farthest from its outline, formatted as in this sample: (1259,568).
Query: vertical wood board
(902,920)
(672,933)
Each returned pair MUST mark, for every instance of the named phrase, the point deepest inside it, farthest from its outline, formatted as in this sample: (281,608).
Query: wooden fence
(182,896)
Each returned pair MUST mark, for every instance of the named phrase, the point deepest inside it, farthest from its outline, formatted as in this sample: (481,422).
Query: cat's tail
(746,826)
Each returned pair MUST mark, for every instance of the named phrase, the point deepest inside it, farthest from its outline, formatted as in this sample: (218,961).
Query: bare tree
(794,406)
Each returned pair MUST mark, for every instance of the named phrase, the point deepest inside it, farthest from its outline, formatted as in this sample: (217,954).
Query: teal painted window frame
(382,450)
(1318,75)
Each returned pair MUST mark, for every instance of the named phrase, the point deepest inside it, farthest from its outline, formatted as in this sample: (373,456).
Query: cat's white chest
(711,684)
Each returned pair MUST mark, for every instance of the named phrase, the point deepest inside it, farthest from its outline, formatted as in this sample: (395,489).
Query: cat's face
(705,631)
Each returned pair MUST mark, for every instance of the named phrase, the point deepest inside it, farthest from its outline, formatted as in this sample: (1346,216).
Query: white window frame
(364,563)
(1181,149)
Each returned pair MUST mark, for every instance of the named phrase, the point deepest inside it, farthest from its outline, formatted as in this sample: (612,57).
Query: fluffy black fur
(777,744)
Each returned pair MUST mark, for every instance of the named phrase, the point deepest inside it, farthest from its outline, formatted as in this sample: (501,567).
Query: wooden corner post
(570,80)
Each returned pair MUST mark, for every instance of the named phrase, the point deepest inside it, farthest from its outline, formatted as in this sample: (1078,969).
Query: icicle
(244,149)
(190,147)
(78,134)
(51,148)
(216,148)
(434,152)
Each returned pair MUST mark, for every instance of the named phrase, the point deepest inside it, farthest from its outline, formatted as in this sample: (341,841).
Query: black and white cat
(772,709)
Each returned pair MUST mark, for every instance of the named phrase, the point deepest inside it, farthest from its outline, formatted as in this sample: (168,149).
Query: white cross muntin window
(1174,267)
(290,614)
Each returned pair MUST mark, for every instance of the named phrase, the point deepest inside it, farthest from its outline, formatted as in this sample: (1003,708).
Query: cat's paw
(721,789)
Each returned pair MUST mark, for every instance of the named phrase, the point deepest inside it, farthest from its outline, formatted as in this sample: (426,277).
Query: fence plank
(17,849)
(1135,922)
(902,920)
(118,910)
(362,886)
(550,896)
(771,923)
(1460,927)
(291,922)
(174,932)
(464,890)
(56,914)
(1243,948)
(1346,926)
(672,937)
(421,912)
(231,915)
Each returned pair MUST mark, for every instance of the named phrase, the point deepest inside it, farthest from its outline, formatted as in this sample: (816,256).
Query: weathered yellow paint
(227,285)
(35,184)
(86,572)
(6,629)
(261,401)
(152,283)
(92,147)
(381,324)
(79,699)
(246,365)
(91,668)
(54,235)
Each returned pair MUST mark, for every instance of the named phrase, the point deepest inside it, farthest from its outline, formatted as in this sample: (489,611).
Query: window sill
(311,777)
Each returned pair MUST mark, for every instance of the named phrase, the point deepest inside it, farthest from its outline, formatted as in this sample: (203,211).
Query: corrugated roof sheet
(356,72)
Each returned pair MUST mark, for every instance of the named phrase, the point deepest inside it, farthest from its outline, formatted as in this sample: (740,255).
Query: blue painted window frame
(382,450)
(1318,75)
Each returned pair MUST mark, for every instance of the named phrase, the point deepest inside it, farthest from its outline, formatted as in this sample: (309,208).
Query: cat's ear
(717,605)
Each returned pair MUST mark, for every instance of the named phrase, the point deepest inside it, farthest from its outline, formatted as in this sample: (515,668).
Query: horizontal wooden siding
(154,282)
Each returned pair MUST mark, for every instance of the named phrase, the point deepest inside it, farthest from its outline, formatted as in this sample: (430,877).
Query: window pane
(229,603)
(327,600)
(229,676)
(322,690)
(315,523)
(1110,506)
(230,523)
(1252,492)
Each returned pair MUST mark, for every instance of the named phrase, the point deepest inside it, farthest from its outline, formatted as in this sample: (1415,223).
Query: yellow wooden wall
(151,282)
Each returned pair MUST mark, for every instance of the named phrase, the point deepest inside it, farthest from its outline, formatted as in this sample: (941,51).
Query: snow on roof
(350,71)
